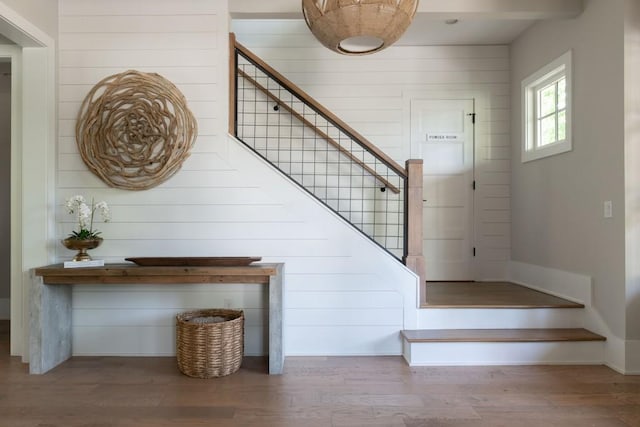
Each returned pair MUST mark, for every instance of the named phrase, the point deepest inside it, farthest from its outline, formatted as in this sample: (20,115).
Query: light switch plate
(608,209)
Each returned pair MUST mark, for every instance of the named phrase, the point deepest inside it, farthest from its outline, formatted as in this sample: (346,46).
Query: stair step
(484,347)
(500,335)
(489,295)
(499,318)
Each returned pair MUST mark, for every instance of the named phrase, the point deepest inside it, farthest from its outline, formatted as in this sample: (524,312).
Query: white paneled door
(442,135)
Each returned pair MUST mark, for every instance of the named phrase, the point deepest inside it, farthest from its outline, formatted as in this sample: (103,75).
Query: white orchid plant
(77,205)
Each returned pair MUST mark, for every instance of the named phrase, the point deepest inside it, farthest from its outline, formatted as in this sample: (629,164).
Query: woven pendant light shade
(358,27)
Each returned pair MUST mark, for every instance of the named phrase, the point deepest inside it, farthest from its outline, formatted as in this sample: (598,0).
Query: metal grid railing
(286,129)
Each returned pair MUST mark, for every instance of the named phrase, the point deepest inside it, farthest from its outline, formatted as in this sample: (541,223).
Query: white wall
(343,292)
(557,202)
(5,188)
(41,13)
(373,93)
(632,173)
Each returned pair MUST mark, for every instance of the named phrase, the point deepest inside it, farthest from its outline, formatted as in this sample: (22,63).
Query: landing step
(500,335)
(489,295)
(484,347)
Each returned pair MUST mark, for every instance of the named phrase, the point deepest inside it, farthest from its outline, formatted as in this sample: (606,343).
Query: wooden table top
(56,274)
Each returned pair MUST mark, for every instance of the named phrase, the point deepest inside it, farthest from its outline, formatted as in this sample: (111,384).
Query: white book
(90,263)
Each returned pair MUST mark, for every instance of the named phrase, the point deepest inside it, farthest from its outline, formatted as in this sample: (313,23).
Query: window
(546,96)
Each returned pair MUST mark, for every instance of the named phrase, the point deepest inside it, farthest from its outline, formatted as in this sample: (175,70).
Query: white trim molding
(572,286)
(620,355)
(33,143)
(530,87)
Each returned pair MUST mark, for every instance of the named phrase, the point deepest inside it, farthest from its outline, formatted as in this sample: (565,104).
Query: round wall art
(134,130)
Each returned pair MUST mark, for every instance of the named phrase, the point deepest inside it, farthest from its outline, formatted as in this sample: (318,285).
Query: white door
(442,135)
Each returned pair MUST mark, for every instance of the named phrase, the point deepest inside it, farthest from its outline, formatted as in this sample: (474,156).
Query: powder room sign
(445,137)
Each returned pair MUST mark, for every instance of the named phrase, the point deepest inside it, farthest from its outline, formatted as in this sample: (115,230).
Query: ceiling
(430,31)
(479,21)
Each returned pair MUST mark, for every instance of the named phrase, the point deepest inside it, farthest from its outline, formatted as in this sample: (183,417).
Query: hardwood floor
(488,295)
(314,392)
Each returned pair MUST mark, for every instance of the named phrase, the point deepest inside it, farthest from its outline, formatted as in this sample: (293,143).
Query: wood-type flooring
(488,295)
(313,392)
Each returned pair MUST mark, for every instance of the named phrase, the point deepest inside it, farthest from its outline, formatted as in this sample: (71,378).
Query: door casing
(33,147)
(450,136)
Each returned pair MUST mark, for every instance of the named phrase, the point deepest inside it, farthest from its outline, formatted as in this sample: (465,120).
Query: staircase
(327,158)
(498,324)
(457,323)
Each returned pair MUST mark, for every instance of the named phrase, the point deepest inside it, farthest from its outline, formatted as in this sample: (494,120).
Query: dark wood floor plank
(488,295)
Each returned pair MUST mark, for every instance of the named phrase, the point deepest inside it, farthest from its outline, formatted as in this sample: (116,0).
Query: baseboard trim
(571,286)
(5,308)
(621,355)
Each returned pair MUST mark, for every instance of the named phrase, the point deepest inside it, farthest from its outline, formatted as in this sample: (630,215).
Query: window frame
(531,86)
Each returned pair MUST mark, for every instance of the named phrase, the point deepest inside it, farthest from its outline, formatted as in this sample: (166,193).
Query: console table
(50,301)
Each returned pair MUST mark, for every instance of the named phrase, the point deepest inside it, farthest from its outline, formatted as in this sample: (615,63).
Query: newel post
(414,258)
(233,66)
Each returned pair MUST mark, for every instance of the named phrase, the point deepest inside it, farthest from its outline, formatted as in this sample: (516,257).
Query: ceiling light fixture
(358,27)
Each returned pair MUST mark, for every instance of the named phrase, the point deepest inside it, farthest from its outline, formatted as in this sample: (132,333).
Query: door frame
(33,147)
(480,99)
(14,55)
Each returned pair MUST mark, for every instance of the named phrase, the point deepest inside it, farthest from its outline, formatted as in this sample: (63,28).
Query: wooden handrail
(322,134)
(413,256)
(322,110)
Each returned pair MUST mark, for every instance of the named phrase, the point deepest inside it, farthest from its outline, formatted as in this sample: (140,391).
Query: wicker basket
(207,350)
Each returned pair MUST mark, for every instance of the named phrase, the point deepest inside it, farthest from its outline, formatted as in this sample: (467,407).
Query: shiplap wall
(343,292)
(372,93)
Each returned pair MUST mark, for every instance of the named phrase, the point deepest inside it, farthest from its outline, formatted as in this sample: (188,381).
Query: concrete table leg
(49,325)
(276,322)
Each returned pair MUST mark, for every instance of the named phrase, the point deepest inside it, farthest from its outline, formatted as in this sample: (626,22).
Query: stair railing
(326,157)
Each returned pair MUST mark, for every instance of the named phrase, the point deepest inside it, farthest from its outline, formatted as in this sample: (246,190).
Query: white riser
(499,353)
(465,318)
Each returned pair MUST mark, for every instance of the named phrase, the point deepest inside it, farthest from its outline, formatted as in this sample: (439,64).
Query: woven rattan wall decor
(134,130)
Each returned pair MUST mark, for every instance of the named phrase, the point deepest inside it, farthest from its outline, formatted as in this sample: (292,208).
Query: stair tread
(489,295)
(500,335)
